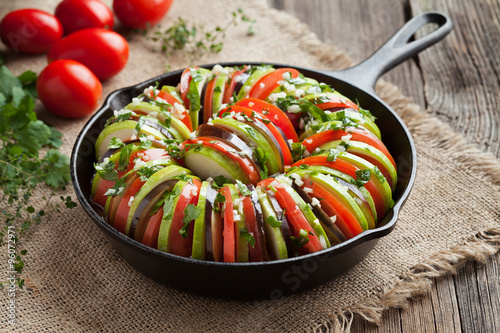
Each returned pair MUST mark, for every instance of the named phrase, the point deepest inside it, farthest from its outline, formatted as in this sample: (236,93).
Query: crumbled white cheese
(236,217)
(235,212)
(139,164)
(333,218)
(131,201)
(218,69)
(238,78)
(209,179)
(299,93)
(299,182)
(117,113)
(192,135)
(262,85)
(340,148)
(237,202)
(308,190)
(346,138)
(322,241)
(134,135)
(246,89)
(290,142)
(136,101)
(307,153)
(105,160)
(250,104)
(287,76)
(317,150)
(276,96)
(199,142)
(149,91)
(289,87)
(178,111)
(240,118)
(315,202)
(293,108)
(222,106)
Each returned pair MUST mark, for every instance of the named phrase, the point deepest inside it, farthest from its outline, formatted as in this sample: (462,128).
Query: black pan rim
(365,236)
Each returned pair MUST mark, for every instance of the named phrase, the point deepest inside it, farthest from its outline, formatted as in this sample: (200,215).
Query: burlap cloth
(77,282)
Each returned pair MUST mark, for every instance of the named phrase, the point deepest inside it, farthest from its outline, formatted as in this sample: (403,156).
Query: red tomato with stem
(30,31)
(141,14)
(69,89)
(103,51)
(82,14)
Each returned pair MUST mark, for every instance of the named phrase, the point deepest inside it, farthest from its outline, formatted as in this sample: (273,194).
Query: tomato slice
(229,246)
(266,84)
(184,116)
(273,113)
(338,102)
(123,208)
(346,221)
(357,134)
(251,222)
(244,162)
(207,106)
(294,215)
(350,170)
(184,85)
(230,84)
(183,246)
(287,155)
(150,237)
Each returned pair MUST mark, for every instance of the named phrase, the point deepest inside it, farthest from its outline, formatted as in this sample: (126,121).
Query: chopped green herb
(243,189)
(191,212)
(273,221)
(262,159)
(221,180)
(244,234)
(124,157)
(303,238)
(117,189)
(145,142)
(115,143)
(107,170)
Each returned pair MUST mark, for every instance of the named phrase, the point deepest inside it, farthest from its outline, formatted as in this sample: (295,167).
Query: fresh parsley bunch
(29,156)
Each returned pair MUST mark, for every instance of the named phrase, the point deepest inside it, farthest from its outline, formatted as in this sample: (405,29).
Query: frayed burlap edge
(418,280)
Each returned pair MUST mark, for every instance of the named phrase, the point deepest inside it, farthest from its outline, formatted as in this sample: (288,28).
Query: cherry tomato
(103,51)
(69,89)
(140,14)
(30,31)
(82,14)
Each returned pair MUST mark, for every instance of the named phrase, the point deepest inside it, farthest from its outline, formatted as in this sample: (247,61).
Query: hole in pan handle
(396,50)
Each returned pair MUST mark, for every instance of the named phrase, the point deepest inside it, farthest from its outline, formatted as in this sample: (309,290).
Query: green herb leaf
(243,189)
(191,212)
(124,157)
(244,234)
(115,143)
(221,180)
(302,240)
(273,221)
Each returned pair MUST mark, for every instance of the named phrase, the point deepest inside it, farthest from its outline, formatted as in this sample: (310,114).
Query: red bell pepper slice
(350,170)
(121,216)
(165,95)
(150,237)
(294,215)
(266,84)
(251,222)
(207,106)
(273,113)
(357,134)
(230,84)
(346,221)
(189,195)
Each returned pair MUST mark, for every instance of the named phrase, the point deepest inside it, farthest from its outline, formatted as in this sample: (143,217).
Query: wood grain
(457,80)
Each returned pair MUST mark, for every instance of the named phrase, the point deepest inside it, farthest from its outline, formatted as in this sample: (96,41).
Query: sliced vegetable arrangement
(242,165)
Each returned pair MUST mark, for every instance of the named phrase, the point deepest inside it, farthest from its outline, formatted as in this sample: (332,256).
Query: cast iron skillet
(276,278)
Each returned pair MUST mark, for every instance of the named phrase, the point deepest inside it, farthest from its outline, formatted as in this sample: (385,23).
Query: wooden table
(457,80)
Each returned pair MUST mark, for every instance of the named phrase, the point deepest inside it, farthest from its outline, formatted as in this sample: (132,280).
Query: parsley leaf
(273,221)
(243,189)
(191,212)
(244,234)
(107,170)
(115,143)
(262,157)
(302,239)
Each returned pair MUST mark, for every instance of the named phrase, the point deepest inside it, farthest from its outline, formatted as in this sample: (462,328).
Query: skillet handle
(396,50)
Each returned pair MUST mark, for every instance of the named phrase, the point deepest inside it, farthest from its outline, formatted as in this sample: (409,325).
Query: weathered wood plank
(359,32)
(462,74)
